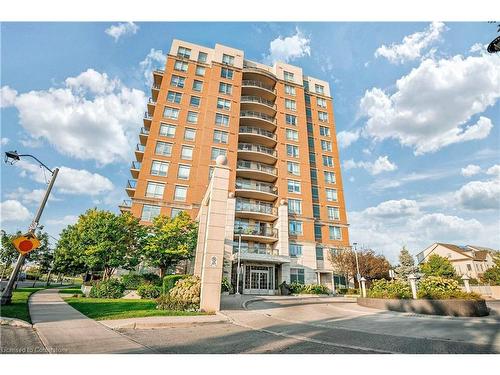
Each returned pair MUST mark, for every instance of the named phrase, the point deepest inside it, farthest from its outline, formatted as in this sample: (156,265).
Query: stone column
(413,284)
(363,287)
(465,278)
(282,244)
(202,228)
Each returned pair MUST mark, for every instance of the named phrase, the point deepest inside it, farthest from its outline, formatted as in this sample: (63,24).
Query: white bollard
(363,287)
(413,284)
(466,278)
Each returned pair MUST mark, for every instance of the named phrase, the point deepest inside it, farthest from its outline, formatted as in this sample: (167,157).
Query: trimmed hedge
(347,291)
(111,289)
(169,282)
(149,291)
(297,288)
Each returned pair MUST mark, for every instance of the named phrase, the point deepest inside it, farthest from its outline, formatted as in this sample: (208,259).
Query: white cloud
(438,225)
(92,118)
(65,220)
(412,45)
(155,59)
(480,195)
(477,47)
(346,138)
(470,170)
(288,48)
(494,170)
(382,164)
(4,141)
(29,196)
(12,210)
(7,97)
(393,209)
(432,105)
(121,29)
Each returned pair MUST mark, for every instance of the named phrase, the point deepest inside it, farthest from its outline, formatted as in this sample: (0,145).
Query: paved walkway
(62,329)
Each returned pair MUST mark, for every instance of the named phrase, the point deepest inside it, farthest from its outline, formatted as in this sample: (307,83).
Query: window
(295,227)
(319,253)
(335,233)
(170,112)
(202,57)
(210,173)
(294,206)
(180,193)
(288,76)
(155,190)
(329,177)
(290,104)
(163,148)
(316,211)
(294,186)
(223,104)
(312,158)
(192,117)
(290,90)
(195,101)
(321,102)
(293,168)
(174,97)
(227,59)
(216,152)
(149,212)
(200,70)
(174,212)
(324,131)
(308,113)
(291,119)
(184,52)
(326,145)
(159,168)
(327,161)
(306,85)
(220,136)
(315,192)
(295,250)
(197,85)
(226,73)
(183,172)
(314,174)
(297,275)
(307,99)
(181,66)
(167,130)
(189,134)
(292,151)
(469,267)
(319,89)
(187,153)
(323,116)
(225,88)
(333,213)
(221,119)
(177,81)
(317,232)
(331,195)
(292,135)
(309,128)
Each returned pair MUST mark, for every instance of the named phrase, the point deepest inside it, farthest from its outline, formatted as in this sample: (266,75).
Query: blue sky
(416,110)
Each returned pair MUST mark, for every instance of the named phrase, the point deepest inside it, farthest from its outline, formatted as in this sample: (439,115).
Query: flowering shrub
(437,287)
(185,295)
(111,288)
(297,288)
(389,289)
(149,291)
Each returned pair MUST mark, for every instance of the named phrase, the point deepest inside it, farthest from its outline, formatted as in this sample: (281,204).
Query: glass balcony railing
(159,71)
(155,86)
(256,185)
(259,115)
(255,206)
(126,203)
(249,82)
(151,101)
(140,148)
(256,148)
(259,131)
(264,250)
(136,165)
(244,164)
(257,230)
(131,184)
(257,99)
(144,131)
(148,115)
(249,68)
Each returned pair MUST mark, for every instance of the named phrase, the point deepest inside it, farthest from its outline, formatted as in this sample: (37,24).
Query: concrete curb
(13,322)
(161,321)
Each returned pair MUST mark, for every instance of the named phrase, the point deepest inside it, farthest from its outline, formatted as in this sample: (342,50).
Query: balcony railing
(148,115)
(155,86)
(259,131)
(126,203)
(254,185)
(260,115)
(248,82)
(151,101)
(131,184)
(268,250)
(257,99)
(136,165)
(144,131)
(258,207)
(257,230)
(159,71)
(256,148)
(258,70)
(140,148)
(244,164)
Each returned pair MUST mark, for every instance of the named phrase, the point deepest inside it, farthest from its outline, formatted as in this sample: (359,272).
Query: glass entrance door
(259,279)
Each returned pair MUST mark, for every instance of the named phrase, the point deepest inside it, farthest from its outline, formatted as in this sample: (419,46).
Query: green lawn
(19,307)
(102,309)
(71,291)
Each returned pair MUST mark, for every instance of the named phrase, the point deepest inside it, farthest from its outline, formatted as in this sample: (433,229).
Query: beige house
(468,260)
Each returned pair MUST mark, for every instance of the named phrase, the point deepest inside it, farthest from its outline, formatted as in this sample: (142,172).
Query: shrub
(226,285)
(132,281)
(185,295)
(296,288)
(389,289)
(436,287)
(170,280)
(111,288)
(149,291)
(352,291)
(152,278)
(314,289)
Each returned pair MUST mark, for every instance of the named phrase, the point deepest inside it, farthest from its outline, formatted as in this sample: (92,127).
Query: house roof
(459,249)
(481,248)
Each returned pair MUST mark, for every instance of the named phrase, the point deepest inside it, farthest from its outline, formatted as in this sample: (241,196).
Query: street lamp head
(494,46)
(11,157)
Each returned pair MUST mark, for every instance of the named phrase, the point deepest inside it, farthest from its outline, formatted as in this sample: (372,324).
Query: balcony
(151,105)
(263,253)
(139,152)
(158,76)
(143,136)
(254,87)
(259,119)
(130,189)
(263,250)
(249,71)
(257,171)
(148,117)
(126,206)
(250,134)
(256,190)
(134,169)
(257,103)
(256,152)
(257,233)
(256,210)
(155,90)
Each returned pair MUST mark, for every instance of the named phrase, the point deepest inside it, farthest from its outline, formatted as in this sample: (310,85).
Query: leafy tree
(170,240)
(406,264)
(492,274)
(341,261)
(69,259)
(8,253)
(438,266)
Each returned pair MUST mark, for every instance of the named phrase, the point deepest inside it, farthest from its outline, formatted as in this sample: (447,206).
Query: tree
(8,253)
(438,266)
(44,255)
(341,261)
(170,240)
(69,259)
(492,274)
(406,264)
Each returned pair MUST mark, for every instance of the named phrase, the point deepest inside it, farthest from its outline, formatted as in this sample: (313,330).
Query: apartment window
(216,152)
(167,130)
(227,59)
(177,81)
(174,212)
(181,66)
(220,136)
(319,253)
(290,104)
(308,113)
(314,174)
(180,193)
(200,70)
(210,173)
(331,195)
(295,250)
(290,90)
(225,88)
(174,97)
(310,142)
(324,131)
(312,158)
(335,233)
(309,128)
(292,135)
(317,232)
(223,104)
(321,102)
(183,172)
(294,206)
(295,228)
(288,76)
(195,101)
(155,190)
(315,192)
(319,89)
(326,145)
(292,151)
(306,85)
(329,177)
(189,134)
(149,212)
(159,168)
(316,211)
(226,73)
(293,168)
(192,117)
(187,153)
(294,186)
(323,116)
(202,57)
(170,112)
(163,148)
(297,275)
(333,213)
(307,99)
(291,120)
(184,52)
(327,161)
(221,119)
(197,85)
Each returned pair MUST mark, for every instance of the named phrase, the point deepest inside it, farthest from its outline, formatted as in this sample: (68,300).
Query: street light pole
(239,260)
(7,294)
(358,275)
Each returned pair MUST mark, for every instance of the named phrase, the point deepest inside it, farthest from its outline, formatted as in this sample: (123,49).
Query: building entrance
(258,279)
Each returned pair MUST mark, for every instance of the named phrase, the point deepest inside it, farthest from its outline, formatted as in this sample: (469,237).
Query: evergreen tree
(406,264)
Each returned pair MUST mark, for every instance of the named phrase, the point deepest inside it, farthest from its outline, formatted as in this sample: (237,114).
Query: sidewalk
(151,322)
(64,330)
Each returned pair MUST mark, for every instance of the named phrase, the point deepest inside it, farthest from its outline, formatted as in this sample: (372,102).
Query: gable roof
(459,249)
(481,248)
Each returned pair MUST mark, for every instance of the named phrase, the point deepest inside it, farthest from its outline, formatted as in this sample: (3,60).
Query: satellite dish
(494,46)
